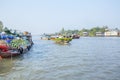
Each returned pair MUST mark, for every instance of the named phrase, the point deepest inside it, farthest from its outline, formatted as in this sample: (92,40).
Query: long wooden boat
(75,37)
(10,53)
(17,46)
(63,40)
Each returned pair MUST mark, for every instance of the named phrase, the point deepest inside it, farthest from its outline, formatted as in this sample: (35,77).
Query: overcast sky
(49,16)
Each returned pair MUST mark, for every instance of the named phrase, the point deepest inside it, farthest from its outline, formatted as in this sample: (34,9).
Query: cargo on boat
(15,45)
(62,40)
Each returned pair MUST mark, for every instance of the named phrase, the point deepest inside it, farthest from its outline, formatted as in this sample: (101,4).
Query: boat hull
(9,54)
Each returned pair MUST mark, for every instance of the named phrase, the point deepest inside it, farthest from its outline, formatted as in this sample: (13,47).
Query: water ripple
(85,59)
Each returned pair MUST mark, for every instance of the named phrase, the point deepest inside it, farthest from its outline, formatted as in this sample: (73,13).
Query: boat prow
(9,53)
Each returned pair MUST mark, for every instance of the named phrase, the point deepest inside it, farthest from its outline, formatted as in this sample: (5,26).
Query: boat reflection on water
(68,44)
(5,66)
(8,64)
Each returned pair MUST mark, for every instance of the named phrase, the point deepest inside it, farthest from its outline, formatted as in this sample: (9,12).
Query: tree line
(91,32)
(7,30)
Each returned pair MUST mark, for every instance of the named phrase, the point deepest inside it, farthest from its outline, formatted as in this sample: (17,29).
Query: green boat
(62,40)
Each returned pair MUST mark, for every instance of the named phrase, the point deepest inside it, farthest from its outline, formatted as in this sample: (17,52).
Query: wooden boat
(75,37)
(6,52)
(45,37)
(9,53)
(16,46)
(63,40)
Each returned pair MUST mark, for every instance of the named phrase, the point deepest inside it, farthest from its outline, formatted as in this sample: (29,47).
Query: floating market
(14,44)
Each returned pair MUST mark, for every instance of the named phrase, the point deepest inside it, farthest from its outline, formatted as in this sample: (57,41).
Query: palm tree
(1,26)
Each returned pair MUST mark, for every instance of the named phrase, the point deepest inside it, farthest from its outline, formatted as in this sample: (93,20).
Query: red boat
(9,53)
(5,52)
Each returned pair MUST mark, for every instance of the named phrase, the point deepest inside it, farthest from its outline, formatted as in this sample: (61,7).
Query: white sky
(49,16)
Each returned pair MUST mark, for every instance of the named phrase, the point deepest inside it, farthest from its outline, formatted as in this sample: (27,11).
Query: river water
(87,58)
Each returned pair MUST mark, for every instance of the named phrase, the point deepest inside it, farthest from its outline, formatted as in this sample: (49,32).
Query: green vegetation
(64,40)
(7,30)
(1,26)
(17,43)
(68,32)
(91,32)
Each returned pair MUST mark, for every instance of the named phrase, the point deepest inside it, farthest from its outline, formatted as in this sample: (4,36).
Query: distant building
(112,33)
(99,34)
(85,33)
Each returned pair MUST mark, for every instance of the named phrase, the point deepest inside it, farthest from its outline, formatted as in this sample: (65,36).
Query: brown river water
(87,58)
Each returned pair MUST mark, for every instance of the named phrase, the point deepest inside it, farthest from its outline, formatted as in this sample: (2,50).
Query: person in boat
(3,36)
(3,46)
(8,40)
(20,49)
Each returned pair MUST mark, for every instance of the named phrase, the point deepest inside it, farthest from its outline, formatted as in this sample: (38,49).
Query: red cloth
(4,48)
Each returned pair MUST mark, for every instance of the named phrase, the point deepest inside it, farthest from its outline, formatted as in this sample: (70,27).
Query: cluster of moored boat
(14,45)
(60,39)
